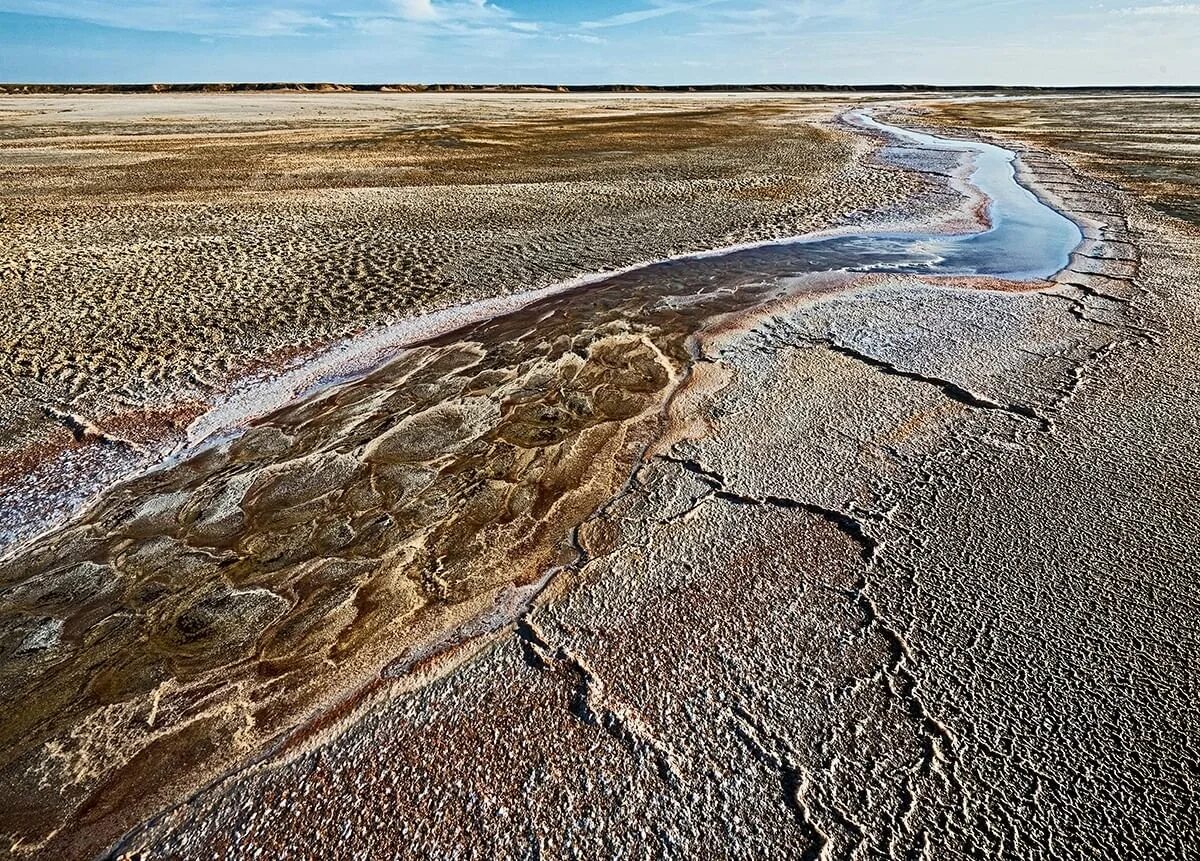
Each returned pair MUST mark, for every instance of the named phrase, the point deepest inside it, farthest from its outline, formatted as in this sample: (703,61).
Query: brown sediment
(166,247)
(201,614)
(809,629)
(153,425)
(19,461)
(449,474)
(140,427)
(984,282)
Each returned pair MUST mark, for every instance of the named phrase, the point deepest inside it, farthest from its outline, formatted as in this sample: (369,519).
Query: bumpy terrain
(159,248)
(1149,143)
(138,635)
(843,567)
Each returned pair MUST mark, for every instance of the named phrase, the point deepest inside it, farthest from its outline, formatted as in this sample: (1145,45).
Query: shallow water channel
(195,615)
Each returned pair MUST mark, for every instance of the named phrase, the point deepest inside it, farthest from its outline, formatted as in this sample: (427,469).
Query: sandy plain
(809,602)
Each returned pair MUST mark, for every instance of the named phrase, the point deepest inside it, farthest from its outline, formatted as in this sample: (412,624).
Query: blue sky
(590,41)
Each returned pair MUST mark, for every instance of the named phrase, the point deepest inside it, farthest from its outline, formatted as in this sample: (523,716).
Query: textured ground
(190,618)
(857,618)
(158,248)
(906,571)
(1150,143)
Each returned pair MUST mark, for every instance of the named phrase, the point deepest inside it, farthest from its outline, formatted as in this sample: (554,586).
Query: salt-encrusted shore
(124,404)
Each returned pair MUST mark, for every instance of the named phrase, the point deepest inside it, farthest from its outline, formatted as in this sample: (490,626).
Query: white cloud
(477,20)
(287,22)
(459,15)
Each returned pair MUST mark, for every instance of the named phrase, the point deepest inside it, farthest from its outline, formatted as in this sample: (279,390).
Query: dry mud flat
(906,570)
(848,615)
(192,619)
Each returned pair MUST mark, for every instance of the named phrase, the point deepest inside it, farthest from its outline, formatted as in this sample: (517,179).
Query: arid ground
(158,249)
(849,565)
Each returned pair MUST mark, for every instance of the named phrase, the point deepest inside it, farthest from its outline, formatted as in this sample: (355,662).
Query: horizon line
(400,87)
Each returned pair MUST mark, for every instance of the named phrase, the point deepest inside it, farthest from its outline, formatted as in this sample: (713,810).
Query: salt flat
(836,566)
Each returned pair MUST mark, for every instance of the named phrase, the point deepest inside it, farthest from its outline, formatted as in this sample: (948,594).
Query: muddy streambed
(196,615)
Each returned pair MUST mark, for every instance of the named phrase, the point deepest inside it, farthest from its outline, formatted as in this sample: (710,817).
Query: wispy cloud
(476,19)
(658,10)
(1161,10)
(416,10)
(793,20)
(278,17)
(288,22)
(206,17)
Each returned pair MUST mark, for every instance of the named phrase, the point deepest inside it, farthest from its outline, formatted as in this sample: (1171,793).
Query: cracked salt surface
(412,544)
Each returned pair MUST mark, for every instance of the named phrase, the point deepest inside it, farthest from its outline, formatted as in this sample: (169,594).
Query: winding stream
(195,615)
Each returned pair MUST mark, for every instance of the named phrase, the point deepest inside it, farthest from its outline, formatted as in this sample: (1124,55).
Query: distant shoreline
(319,87)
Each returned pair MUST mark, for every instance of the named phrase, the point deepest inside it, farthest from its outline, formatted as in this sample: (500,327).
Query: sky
(1048,42)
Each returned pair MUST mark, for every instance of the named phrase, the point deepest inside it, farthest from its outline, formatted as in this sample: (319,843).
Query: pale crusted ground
(857,617)
(906,573)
